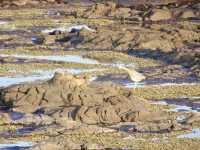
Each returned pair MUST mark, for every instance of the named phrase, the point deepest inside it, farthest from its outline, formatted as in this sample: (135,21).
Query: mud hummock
(70,101)
(74,98)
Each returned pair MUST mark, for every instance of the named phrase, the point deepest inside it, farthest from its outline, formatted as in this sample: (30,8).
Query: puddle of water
(192,98)
(25,130)
(194,134)
(73,28)
(38,75)
(119,64)
(176,84)
(159,103)
(161,83)
(93,78)
(179,108)
(16,146)
(119,79)
(181,119)
(16,115)
(7,81)
(37,40)
(180,105)
(134,85)
(63,58)
(72,70)
(126,82)
(3,22)
(144,84)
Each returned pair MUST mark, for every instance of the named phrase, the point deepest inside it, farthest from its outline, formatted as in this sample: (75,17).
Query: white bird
(133,74)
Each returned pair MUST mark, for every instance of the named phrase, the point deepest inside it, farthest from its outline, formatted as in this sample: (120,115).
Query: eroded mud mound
(8,3)
(148,10)
(95,103)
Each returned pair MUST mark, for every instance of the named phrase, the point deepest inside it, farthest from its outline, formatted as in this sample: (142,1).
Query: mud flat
(61,86)
(113,104)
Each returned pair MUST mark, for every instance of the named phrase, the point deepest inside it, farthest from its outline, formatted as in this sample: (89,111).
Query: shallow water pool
(194,134)
(63,58)
(16,146)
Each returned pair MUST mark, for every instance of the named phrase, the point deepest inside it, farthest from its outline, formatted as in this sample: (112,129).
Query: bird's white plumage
(134,75)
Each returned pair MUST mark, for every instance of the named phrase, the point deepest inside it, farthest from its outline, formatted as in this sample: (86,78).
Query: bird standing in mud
(133,74)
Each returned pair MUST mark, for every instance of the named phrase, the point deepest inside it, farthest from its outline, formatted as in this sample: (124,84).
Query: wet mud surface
(84,74)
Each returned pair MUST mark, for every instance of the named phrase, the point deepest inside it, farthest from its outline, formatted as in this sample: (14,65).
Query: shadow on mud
(166,57)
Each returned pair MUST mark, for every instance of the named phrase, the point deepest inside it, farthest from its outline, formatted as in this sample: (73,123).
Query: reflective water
(16,146)
(124,80)
(180,105)
(63,58)
(38,75)
(194,134)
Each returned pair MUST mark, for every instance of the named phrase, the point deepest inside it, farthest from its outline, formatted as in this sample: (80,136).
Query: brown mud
(98,105)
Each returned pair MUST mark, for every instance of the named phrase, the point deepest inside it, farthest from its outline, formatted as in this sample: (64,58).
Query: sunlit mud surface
(63,84)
